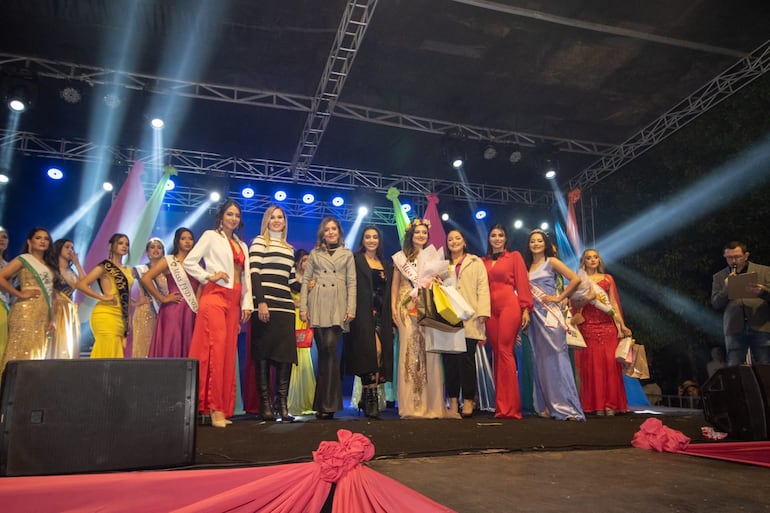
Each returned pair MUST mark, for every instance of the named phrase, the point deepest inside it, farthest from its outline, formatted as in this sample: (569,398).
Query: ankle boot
(371,402)
(282,406)
(263,386)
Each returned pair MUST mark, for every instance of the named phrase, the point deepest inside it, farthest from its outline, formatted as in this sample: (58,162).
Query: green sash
(42,275)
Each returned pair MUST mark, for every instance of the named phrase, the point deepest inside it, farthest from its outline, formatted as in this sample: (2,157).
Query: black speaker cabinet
(735,401)
(72,416)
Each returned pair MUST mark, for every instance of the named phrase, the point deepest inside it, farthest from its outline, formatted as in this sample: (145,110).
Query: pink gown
(173,326)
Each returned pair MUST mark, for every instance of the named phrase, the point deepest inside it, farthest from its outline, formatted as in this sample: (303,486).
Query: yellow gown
(27,324)
(107,323)
(302,381)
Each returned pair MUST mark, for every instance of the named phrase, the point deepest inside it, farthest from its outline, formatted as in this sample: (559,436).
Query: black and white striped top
(272,273)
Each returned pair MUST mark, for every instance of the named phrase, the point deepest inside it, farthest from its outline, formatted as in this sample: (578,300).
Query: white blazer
(214,249)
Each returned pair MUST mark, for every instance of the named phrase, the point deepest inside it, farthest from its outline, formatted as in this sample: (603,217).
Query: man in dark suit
(746,320)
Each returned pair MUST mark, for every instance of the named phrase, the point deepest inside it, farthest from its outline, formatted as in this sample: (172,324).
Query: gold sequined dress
(28,321)
(66,336)
(143,321)
(420,374)
(4,306)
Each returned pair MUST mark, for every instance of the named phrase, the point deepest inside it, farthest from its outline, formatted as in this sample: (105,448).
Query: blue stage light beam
(352,237)
(189,222)
(727,183)
(67,224)
(6,156)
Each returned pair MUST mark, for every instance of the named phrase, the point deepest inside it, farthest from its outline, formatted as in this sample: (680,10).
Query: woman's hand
(107,298)
(348,318)
(174,297)
(524,319)
(220,275)
(142,300)
(245,315)
(263,314)
(29,293)
(304,317)
(551,299)
(625,330)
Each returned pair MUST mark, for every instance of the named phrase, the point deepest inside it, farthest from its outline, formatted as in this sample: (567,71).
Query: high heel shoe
(467,411)
(218,419)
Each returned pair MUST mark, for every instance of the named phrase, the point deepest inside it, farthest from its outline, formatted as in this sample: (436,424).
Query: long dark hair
(115,238)
(362,248)
(48,254)
(177,236)
(547,250)
(502,228)
(4,253)
(221,213)
(409,250)
(57,247)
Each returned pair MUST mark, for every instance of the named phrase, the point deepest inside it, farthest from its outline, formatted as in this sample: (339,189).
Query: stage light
(515,155)
(112,100)
(481,214)
(362,211)
(17,105)
(308,198)
(279,195)
(170,185)
(157,123)
(490,152)
(453,148)
(55,173)
(406,207)
(445,217)
(214,197)
(4,178)
(338,201)
(70,95)
(544,226)
(550,174)
(550,169)
(247,192)
(107,186)
(517,224)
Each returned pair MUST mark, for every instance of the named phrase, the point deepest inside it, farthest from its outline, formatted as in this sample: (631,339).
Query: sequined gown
(66,336)
(107,323)
(5,304)
(28,322)
(555,392)
(143,321)
(420,374)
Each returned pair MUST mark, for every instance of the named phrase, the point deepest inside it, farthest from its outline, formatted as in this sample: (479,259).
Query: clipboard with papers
(737,285)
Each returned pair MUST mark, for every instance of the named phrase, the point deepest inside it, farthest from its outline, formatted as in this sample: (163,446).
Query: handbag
(428,316)
(460,306)
(638,368)
(625,351)
(443,305)
(437,341)
(574,337)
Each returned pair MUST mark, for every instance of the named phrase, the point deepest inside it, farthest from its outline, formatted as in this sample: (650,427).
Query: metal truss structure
(264,170)
(93,75)
(741,74)
(355,21)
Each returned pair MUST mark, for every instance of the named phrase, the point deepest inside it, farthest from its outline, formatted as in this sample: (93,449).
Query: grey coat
(334,292)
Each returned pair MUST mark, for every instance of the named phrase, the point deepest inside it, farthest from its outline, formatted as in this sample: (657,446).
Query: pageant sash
(121,283)
(182,282)
(42,276)
(554,314)
(141,270)
(409,270)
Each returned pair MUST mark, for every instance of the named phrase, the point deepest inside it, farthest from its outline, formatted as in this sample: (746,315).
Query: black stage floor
(249,441)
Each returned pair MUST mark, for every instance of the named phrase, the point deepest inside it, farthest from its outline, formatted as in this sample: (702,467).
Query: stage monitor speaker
(73,416)
(735,401)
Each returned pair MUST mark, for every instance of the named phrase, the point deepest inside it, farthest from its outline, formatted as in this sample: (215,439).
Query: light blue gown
(554,382)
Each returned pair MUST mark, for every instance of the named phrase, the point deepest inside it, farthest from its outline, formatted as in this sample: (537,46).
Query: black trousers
(328,389)
(460,371)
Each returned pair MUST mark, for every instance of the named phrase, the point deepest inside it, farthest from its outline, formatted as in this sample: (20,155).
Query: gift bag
(574,337)
(443,305)
(437,341)
(638,368)
(304,337)
(625,351)
(427,314)
(460,306)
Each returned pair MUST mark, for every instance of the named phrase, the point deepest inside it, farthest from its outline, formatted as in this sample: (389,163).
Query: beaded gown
(66,336)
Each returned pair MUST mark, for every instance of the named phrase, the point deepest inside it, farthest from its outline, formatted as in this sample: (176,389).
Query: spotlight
(550,174)
(550,169)
(112,101)
(445,217)
(457,162)
(17,105)
(481,214)
(19,90)
(157,123)
(247,192)
(452,147)
(55,174)
(489,152)
(515,155)
(170,185)
(362,211)
(406,207)
(107,186)
(338,201)
(279,195)
(544,226)
(517,224)
(70,95)
(4,178)
(215,197)
(308,198)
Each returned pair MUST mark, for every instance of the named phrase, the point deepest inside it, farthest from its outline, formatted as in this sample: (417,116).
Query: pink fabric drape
(296,488)
(436,233)
(573,234)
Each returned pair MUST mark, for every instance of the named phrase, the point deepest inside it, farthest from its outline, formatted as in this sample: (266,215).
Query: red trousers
(215,346)
(502,329)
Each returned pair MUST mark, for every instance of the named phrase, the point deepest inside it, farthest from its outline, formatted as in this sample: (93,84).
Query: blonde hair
(265,231)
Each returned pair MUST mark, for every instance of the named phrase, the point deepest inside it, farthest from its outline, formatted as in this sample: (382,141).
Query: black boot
(263,387)
(372,402)
(282,404)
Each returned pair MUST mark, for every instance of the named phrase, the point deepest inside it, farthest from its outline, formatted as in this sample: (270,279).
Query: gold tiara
(418,221)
